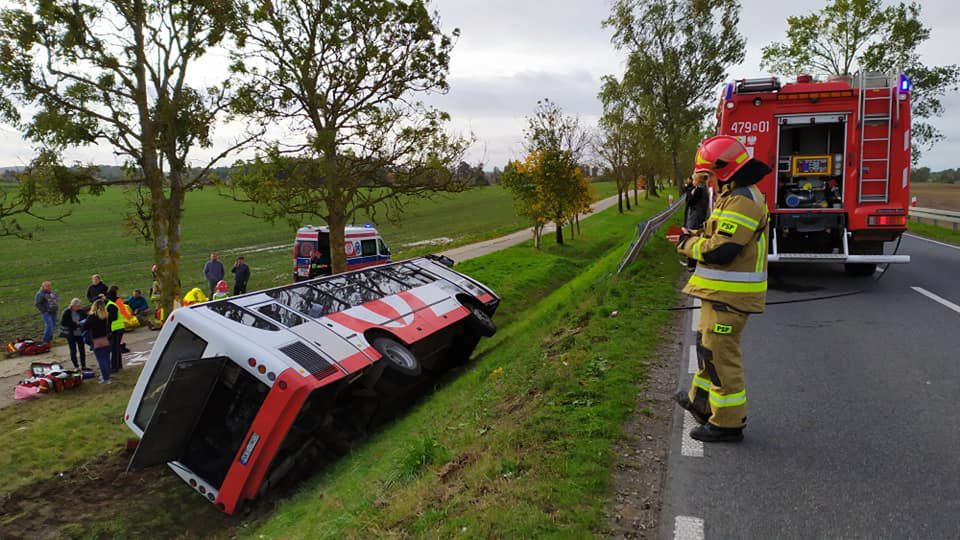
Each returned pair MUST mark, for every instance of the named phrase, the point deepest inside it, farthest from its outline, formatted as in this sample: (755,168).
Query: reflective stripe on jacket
(740,217)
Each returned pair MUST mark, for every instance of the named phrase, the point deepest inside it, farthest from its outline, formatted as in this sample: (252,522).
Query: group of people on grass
(101,322)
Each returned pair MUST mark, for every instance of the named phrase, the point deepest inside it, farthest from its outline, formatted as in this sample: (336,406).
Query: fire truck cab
(841,154)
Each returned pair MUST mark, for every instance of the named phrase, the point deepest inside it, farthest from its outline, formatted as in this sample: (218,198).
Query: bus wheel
(860,269)
(397,356)
(479,323)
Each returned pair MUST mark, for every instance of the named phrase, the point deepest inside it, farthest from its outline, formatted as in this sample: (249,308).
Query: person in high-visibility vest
(731,281)
(116,329)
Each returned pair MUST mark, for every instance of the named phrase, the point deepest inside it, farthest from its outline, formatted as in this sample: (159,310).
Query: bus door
(181,403)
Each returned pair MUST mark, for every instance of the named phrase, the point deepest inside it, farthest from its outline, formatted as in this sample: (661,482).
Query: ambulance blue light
(904,84)
(368,225)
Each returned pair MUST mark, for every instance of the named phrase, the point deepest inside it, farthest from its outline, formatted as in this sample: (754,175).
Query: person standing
(696,208)
(46,303)
(213,271)
(72,329)
(731,281)
(96,288)
(116,329)
(241,274)
(98,325)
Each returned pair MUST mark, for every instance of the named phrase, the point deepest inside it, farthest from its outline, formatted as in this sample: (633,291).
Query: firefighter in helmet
(730,280)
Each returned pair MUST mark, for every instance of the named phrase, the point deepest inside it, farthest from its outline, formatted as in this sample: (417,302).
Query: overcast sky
(513,52)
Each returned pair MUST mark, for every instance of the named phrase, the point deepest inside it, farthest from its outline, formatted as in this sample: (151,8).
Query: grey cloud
(517,95)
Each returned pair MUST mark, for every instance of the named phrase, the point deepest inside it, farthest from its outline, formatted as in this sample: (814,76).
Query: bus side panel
(270,426)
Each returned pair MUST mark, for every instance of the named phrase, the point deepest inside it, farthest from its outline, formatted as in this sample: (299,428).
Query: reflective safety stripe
(740,277)
(701,383)
(746,221)
(742,157)
(761,253)
(728,286)
(696,249)
(729,400)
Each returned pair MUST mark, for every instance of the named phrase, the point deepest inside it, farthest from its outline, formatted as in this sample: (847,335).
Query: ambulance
(239,392)
(840,149)
(363,245)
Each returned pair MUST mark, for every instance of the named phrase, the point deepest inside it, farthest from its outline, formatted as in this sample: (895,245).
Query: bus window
(368,248)
(238,314)
(182,345)
(306,299)
(282,315)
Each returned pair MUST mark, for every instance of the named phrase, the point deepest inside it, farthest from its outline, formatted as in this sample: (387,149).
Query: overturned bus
(239,392)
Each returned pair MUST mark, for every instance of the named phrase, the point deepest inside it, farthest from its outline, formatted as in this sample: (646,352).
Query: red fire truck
(841,152)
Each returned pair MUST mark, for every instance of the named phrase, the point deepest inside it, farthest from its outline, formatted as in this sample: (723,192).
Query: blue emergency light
(728,92)
(368,225)
(904,84)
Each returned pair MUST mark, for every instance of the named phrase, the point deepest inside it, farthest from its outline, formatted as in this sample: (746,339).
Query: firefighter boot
(683,400)
(711,433)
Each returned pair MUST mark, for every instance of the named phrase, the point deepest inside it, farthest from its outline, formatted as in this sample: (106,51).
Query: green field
(517,446)
(92,240)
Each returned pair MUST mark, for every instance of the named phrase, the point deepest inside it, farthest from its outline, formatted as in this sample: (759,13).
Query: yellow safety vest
(116,324)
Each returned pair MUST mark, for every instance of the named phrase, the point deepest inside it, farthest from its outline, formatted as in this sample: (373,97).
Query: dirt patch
(933,195)
(641,456)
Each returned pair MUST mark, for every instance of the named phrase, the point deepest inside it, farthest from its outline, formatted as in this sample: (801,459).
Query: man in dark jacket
(96,288)
(213,271)
(46,303)
(241,274)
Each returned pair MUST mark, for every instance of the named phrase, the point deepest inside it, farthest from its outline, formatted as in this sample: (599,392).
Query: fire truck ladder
(874,171)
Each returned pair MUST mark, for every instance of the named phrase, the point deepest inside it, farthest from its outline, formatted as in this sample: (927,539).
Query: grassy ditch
(519,443)
(935,232)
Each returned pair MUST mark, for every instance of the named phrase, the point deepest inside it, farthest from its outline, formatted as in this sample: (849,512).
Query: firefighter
(731,281)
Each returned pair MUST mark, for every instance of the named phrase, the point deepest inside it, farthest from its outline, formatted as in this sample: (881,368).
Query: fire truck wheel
(398,357)
(860,269)
(479,322)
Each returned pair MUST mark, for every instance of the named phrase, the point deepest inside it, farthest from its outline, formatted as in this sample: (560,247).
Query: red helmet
(722,155)
(222,286)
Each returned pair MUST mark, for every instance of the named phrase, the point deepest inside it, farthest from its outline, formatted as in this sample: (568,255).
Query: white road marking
(695,315)
(688,528)
(689,446)
(944,244)
(692,365)
(938,299)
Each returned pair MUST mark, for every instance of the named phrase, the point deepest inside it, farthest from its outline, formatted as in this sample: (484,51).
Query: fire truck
(840,149)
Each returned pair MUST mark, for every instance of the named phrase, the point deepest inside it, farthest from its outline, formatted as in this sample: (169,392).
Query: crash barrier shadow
(940,218)
(645,230)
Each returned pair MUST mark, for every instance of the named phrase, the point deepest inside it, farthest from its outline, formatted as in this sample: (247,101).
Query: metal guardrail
(645,230)
(941,218)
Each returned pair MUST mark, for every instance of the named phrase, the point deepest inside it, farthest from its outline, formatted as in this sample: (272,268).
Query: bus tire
(398,358)
(860,269)
(479,323)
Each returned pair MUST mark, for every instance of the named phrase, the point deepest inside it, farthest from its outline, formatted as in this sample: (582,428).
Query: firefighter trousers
(717,389)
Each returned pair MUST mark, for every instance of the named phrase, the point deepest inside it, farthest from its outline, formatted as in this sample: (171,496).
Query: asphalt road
(853,427)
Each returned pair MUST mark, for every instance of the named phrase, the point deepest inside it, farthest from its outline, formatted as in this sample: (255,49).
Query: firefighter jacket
(731,251)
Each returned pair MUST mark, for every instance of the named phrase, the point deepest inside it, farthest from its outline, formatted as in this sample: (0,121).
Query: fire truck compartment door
(177,412)
(811,119)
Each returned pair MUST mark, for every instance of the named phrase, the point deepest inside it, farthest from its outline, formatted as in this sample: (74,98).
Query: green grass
(92,240)
(935,232)
(526,431)
(520,446)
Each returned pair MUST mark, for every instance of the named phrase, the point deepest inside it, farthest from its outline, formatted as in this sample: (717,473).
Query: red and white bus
(240,391)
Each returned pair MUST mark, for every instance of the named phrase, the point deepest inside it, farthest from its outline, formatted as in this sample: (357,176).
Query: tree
(678,52)
(617,143)
(115,72)
(343,76)
(559,142)
(522,179)
(864,34)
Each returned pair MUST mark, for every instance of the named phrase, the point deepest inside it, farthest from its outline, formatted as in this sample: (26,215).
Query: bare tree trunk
(620,199)
(580,232)
(537,231)
(636,193)
(337,221)
(559,230)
